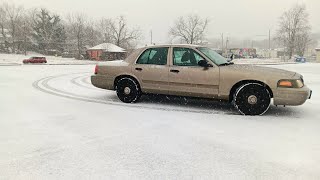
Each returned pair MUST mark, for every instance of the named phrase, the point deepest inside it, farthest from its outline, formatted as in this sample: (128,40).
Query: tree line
(42,30)
(293,32)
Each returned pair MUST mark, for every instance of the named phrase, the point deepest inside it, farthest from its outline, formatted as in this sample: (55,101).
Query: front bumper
(291,96)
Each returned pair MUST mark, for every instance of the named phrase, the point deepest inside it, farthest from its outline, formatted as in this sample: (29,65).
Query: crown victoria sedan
(197,71)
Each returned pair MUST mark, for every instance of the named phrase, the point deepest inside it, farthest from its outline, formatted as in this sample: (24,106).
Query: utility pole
(151,36)
(269,39)
(269,43)
(227,42)
(222,43)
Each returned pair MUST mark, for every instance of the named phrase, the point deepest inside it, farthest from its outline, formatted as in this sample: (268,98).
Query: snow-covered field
(16,59)
(55,125)
(263,61)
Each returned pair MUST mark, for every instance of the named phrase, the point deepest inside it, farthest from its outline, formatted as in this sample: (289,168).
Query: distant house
(70,50)
(106,51)
(318,54)
(4,35)
(5,38)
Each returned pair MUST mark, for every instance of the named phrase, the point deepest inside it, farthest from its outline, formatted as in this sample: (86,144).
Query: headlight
(290,83)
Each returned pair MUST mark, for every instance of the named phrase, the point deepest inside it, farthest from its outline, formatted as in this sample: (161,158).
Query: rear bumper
(102,82)
(291,96)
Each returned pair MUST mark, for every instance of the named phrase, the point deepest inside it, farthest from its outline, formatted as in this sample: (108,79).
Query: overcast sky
(234,18)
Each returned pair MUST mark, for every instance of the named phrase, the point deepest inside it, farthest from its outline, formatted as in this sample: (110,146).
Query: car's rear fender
(117,78)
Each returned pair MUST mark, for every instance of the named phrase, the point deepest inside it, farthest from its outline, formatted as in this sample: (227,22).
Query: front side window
(185,57)
(156,56)
(213,56)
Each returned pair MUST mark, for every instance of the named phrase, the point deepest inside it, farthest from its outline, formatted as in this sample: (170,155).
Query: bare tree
(190,28)
(91,34)
(294,29)
(24,34)
(76,29)
(301,43)
(3,22)
(104,28)
(14,14)
(121,35)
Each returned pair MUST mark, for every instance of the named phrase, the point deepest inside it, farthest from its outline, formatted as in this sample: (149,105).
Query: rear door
(152,69)
(187,78)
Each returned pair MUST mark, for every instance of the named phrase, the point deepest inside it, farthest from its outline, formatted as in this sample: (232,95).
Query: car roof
(171,45)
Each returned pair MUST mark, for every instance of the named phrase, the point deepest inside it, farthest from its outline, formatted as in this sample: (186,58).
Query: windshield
(213,56)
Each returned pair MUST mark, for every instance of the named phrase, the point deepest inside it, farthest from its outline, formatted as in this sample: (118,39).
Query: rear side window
(157,56)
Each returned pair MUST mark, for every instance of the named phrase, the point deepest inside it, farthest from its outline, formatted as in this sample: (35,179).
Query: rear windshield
(134,54)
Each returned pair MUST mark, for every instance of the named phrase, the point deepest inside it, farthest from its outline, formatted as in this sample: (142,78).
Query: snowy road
(55,125)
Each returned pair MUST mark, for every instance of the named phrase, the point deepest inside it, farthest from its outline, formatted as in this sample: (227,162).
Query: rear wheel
(252,99)
(128,90)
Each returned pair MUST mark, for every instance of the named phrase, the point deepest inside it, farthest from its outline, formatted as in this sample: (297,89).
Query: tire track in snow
(86,80)
(43,85)
(75,82)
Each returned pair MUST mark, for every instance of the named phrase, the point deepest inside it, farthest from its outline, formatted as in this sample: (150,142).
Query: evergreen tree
(48,31)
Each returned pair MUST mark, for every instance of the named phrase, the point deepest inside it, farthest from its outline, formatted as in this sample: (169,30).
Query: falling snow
(55,125)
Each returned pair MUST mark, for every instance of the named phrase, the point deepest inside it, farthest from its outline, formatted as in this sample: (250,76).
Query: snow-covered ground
(263,61)
(16,59)
(55,125)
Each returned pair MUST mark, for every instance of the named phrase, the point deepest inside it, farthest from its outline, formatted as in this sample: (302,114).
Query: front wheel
(252,99)
(128,90)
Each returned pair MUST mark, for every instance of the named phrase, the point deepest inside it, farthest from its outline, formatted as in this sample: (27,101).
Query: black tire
(252,99)
(128,90)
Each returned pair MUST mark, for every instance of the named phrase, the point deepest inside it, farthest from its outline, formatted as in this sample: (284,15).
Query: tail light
(96,69)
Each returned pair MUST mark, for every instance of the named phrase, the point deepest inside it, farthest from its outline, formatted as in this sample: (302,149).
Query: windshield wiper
(226,64)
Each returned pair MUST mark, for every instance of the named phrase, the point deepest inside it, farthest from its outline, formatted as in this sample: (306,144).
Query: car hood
(259,71)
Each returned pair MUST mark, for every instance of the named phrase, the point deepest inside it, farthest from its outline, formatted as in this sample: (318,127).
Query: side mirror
(204,63)
(231,57)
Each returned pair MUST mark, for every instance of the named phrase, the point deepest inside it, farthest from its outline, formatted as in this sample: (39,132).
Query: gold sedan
(197,71)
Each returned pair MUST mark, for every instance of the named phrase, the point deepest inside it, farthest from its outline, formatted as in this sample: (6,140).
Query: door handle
(139,69)
(174,71)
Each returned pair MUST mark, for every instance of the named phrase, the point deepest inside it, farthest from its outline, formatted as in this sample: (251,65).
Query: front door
(152,70)
(187,78)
